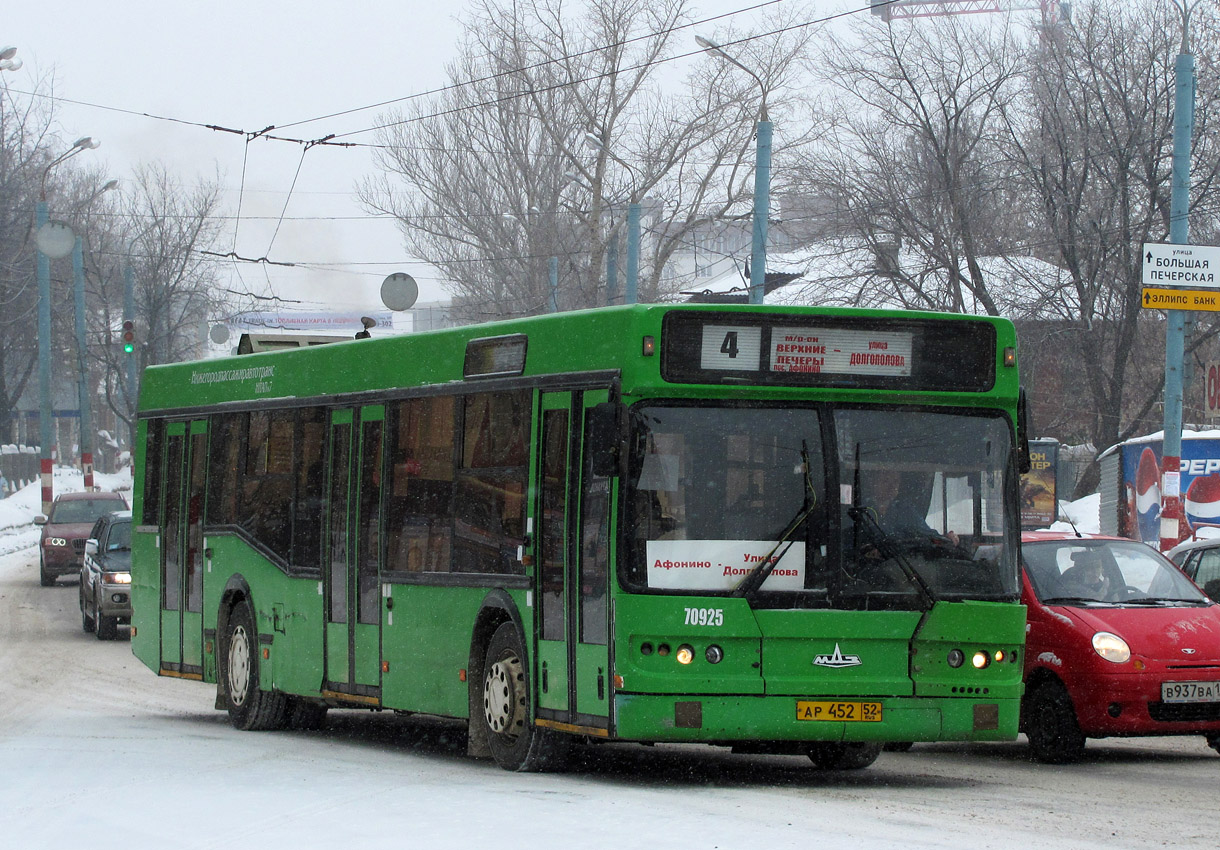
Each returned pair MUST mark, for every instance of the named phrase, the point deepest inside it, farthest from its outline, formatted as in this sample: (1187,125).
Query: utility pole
(1175,331)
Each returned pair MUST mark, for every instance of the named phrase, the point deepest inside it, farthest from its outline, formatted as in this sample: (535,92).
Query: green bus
(783,530)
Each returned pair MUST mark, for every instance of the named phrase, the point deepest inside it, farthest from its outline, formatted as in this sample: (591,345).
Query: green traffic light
(128,348)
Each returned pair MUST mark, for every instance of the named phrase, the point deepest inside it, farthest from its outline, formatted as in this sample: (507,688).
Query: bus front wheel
(515,742)
(250,708)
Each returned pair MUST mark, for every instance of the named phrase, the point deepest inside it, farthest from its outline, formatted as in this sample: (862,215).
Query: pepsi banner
(1200,486)
(1038,497)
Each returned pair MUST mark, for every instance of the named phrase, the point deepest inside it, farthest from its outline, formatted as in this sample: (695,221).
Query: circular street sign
(399,291)
(55,239)
(219,334)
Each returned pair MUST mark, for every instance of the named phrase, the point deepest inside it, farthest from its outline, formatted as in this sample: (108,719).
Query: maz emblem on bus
(838,659)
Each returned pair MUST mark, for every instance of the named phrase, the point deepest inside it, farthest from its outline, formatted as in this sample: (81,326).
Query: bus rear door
(181,555)
(353,553)
(572,554)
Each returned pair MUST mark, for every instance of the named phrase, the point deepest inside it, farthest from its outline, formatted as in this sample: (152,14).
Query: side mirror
(91,546)
(40,520)
(1024,460)
(605,437)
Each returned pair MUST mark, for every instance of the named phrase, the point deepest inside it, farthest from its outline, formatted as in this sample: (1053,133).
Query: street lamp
(45,232)
(7,60)
(762,178)
(632,292)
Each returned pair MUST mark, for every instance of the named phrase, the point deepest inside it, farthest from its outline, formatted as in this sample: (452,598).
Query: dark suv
(105,579)
(61,548)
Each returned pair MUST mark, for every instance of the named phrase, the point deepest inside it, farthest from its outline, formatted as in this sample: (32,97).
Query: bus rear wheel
(250,708)
(844,755)
(515,742)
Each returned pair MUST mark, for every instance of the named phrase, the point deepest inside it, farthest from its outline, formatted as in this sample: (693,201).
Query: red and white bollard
(86,465)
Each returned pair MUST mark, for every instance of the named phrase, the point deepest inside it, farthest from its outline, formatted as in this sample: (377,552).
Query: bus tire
(844,755)
(1051,726)
(306,714)
(515,742)
(250,708)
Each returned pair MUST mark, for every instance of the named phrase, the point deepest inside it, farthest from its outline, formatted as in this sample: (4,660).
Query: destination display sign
(838,351)
(717,347)
(1191,266)
(1181,299)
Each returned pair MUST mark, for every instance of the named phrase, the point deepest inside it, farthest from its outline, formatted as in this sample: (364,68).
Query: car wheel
(107,627)
(1213,741)
(515,742)
(1051,726)
(250,708)
(87,623)
(844,755)
(44,578)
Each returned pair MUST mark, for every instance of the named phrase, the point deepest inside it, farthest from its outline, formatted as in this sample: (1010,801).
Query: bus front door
(181,545)
(353,554)
(572,557)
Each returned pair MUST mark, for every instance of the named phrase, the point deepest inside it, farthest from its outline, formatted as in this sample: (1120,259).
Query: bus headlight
(980,660)
(1111,647)
(956,658)
(685,654)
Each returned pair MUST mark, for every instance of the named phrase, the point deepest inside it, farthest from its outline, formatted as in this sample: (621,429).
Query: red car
(61,547)
(1119,642)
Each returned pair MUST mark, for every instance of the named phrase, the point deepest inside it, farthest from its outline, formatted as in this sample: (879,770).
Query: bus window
(420,497)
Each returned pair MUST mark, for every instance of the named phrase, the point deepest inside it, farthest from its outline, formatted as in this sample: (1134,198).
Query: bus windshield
(907,508)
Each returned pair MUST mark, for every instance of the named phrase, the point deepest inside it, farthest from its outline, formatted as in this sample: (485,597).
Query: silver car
(105,578)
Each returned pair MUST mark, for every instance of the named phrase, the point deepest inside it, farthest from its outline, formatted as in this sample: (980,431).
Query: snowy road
(96,751)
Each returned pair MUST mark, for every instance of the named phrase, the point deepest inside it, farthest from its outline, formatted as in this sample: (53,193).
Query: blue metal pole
(129,314)
(632,294)
(612,268)
(762,208)
(553,265)
(45,431)
(1175,335)
(82,364)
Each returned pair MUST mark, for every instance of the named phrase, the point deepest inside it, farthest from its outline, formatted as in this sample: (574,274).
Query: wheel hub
(502,702)
(239,665)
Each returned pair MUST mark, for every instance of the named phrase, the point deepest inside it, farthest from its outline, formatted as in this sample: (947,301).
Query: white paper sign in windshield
(721,564)
(840,351)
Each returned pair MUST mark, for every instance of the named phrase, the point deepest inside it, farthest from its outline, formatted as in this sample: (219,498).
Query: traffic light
(129,336)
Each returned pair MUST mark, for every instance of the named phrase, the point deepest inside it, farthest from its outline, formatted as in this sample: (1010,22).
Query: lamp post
(632,289)
(49,238)
(762,178)
(82,364)
(1175,331)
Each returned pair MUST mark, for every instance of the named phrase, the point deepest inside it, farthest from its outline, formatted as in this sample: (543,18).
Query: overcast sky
(245,65)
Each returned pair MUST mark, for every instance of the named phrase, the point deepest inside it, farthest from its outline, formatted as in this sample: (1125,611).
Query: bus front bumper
(730,719)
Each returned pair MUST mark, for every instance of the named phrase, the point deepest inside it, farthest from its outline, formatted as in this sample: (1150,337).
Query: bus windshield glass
(908,508)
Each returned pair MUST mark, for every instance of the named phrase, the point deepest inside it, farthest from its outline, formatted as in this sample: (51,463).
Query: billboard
(1141,485)
(1039,499)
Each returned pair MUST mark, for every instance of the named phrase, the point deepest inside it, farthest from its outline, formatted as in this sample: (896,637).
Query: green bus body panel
(426,630)
(427,645)
(609,338)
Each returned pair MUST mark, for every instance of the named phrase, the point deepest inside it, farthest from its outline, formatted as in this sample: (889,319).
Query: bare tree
(913,163)
(553,124)
(1092,139)
(162,231)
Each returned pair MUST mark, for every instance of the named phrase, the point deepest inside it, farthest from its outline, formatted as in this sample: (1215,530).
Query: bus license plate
(850,712)
(1190,691)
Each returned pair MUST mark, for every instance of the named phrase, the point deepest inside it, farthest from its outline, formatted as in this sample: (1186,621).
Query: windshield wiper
(888,550)
(1064,600)
(749,585)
